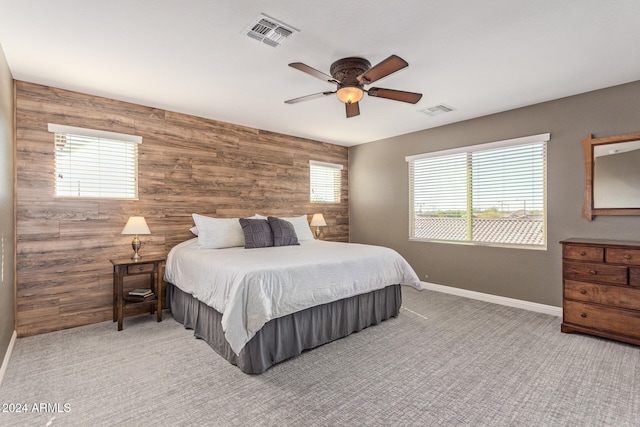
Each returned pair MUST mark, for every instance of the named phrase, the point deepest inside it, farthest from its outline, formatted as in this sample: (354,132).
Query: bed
(260,306)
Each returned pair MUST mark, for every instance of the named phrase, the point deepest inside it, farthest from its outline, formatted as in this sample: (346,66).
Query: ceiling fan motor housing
(347,70)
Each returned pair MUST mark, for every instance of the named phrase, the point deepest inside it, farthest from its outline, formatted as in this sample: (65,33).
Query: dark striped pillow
(284,233)
(257,233)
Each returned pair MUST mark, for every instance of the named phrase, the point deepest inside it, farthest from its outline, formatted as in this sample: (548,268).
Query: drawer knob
(583,315)
(627,256)
(583,253)
(583,291)
(594,272)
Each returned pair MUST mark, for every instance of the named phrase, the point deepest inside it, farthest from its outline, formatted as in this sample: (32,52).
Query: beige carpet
(444,361)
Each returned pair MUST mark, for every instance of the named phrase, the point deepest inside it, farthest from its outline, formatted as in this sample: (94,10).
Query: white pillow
(218,233)
(303,231)
(194,229)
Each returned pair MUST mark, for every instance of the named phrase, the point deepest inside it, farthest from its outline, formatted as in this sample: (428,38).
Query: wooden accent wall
(187,164)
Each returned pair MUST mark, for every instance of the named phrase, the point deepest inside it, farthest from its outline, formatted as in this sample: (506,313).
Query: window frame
(327,167)
(533,139)
(125,142)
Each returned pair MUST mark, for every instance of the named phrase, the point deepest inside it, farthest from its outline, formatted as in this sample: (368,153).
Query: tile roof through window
(520,231)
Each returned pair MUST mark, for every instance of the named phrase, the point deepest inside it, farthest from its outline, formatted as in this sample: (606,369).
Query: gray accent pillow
(284,233)
(257,233)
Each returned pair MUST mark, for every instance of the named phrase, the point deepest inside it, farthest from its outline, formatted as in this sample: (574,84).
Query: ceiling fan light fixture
(350,94)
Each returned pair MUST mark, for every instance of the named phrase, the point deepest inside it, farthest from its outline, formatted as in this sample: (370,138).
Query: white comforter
(252,286)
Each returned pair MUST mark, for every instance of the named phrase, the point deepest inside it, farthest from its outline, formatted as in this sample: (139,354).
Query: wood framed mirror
(612,172)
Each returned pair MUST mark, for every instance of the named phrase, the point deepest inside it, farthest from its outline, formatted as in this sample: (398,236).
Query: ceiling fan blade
(396,95)
(353,109)
(382,69)
(308,97)
(312,71)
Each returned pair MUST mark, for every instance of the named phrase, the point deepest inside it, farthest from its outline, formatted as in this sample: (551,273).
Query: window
(489,194)
(91,163)
(325,182)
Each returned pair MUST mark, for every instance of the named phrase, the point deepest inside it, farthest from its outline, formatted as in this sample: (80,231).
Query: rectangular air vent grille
(269,31)
(437,109)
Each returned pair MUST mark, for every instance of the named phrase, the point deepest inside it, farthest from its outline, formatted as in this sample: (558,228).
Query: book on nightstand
(141,293)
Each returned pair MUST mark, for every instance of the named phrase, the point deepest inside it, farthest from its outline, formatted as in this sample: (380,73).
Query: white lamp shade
(318,221)
(136,225)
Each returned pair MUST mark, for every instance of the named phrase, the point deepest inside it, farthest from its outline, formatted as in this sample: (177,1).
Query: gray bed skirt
(287,336)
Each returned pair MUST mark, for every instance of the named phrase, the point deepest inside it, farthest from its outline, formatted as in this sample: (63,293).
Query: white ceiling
(192,56)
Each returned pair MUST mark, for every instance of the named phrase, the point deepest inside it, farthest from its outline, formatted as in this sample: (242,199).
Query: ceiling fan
(351,75)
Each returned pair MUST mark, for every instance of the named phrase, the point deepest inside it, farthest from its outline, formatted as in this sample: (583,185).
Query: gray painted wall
(7,227)
(379,193)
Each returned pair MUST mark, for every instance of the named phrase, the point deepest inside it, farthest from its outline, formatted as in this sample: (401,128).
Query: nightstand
(153,266)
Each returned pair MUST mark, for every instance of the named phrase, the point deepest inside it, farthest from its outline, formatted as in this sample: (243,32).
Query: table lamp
(318,221)
(136,225)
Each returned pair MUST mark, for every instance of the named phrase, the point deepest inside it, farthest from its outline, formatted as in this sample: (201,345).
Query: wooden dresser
(601,288)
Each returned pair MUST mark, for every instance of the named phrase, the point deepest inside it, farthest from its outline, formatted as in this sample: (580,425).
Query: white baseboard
(511,302)
(7,356)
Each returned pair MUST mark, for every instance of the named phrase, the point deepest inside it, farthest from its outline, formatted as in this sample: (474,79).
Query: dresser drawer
(622,256)
(592,272)
(634,277)
(622,297)
(621,322)
(583,253)
(140,268)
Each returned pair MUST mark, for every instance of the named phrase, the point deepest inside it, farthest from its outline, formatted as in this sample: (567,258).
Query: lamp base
(136,244)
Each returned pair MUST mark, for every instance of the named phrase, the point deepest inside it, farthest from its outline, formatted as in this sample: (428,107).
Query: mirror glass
(616,175)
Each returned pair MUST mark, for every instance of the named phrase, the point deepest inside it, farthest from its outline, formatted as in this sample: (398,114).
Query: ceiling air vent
(436,110)
(269,31)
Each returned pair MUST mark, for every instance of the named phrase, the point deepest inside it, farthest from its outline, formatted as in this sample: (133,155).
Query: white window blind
(91,163)
(325,182)
(491,194)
